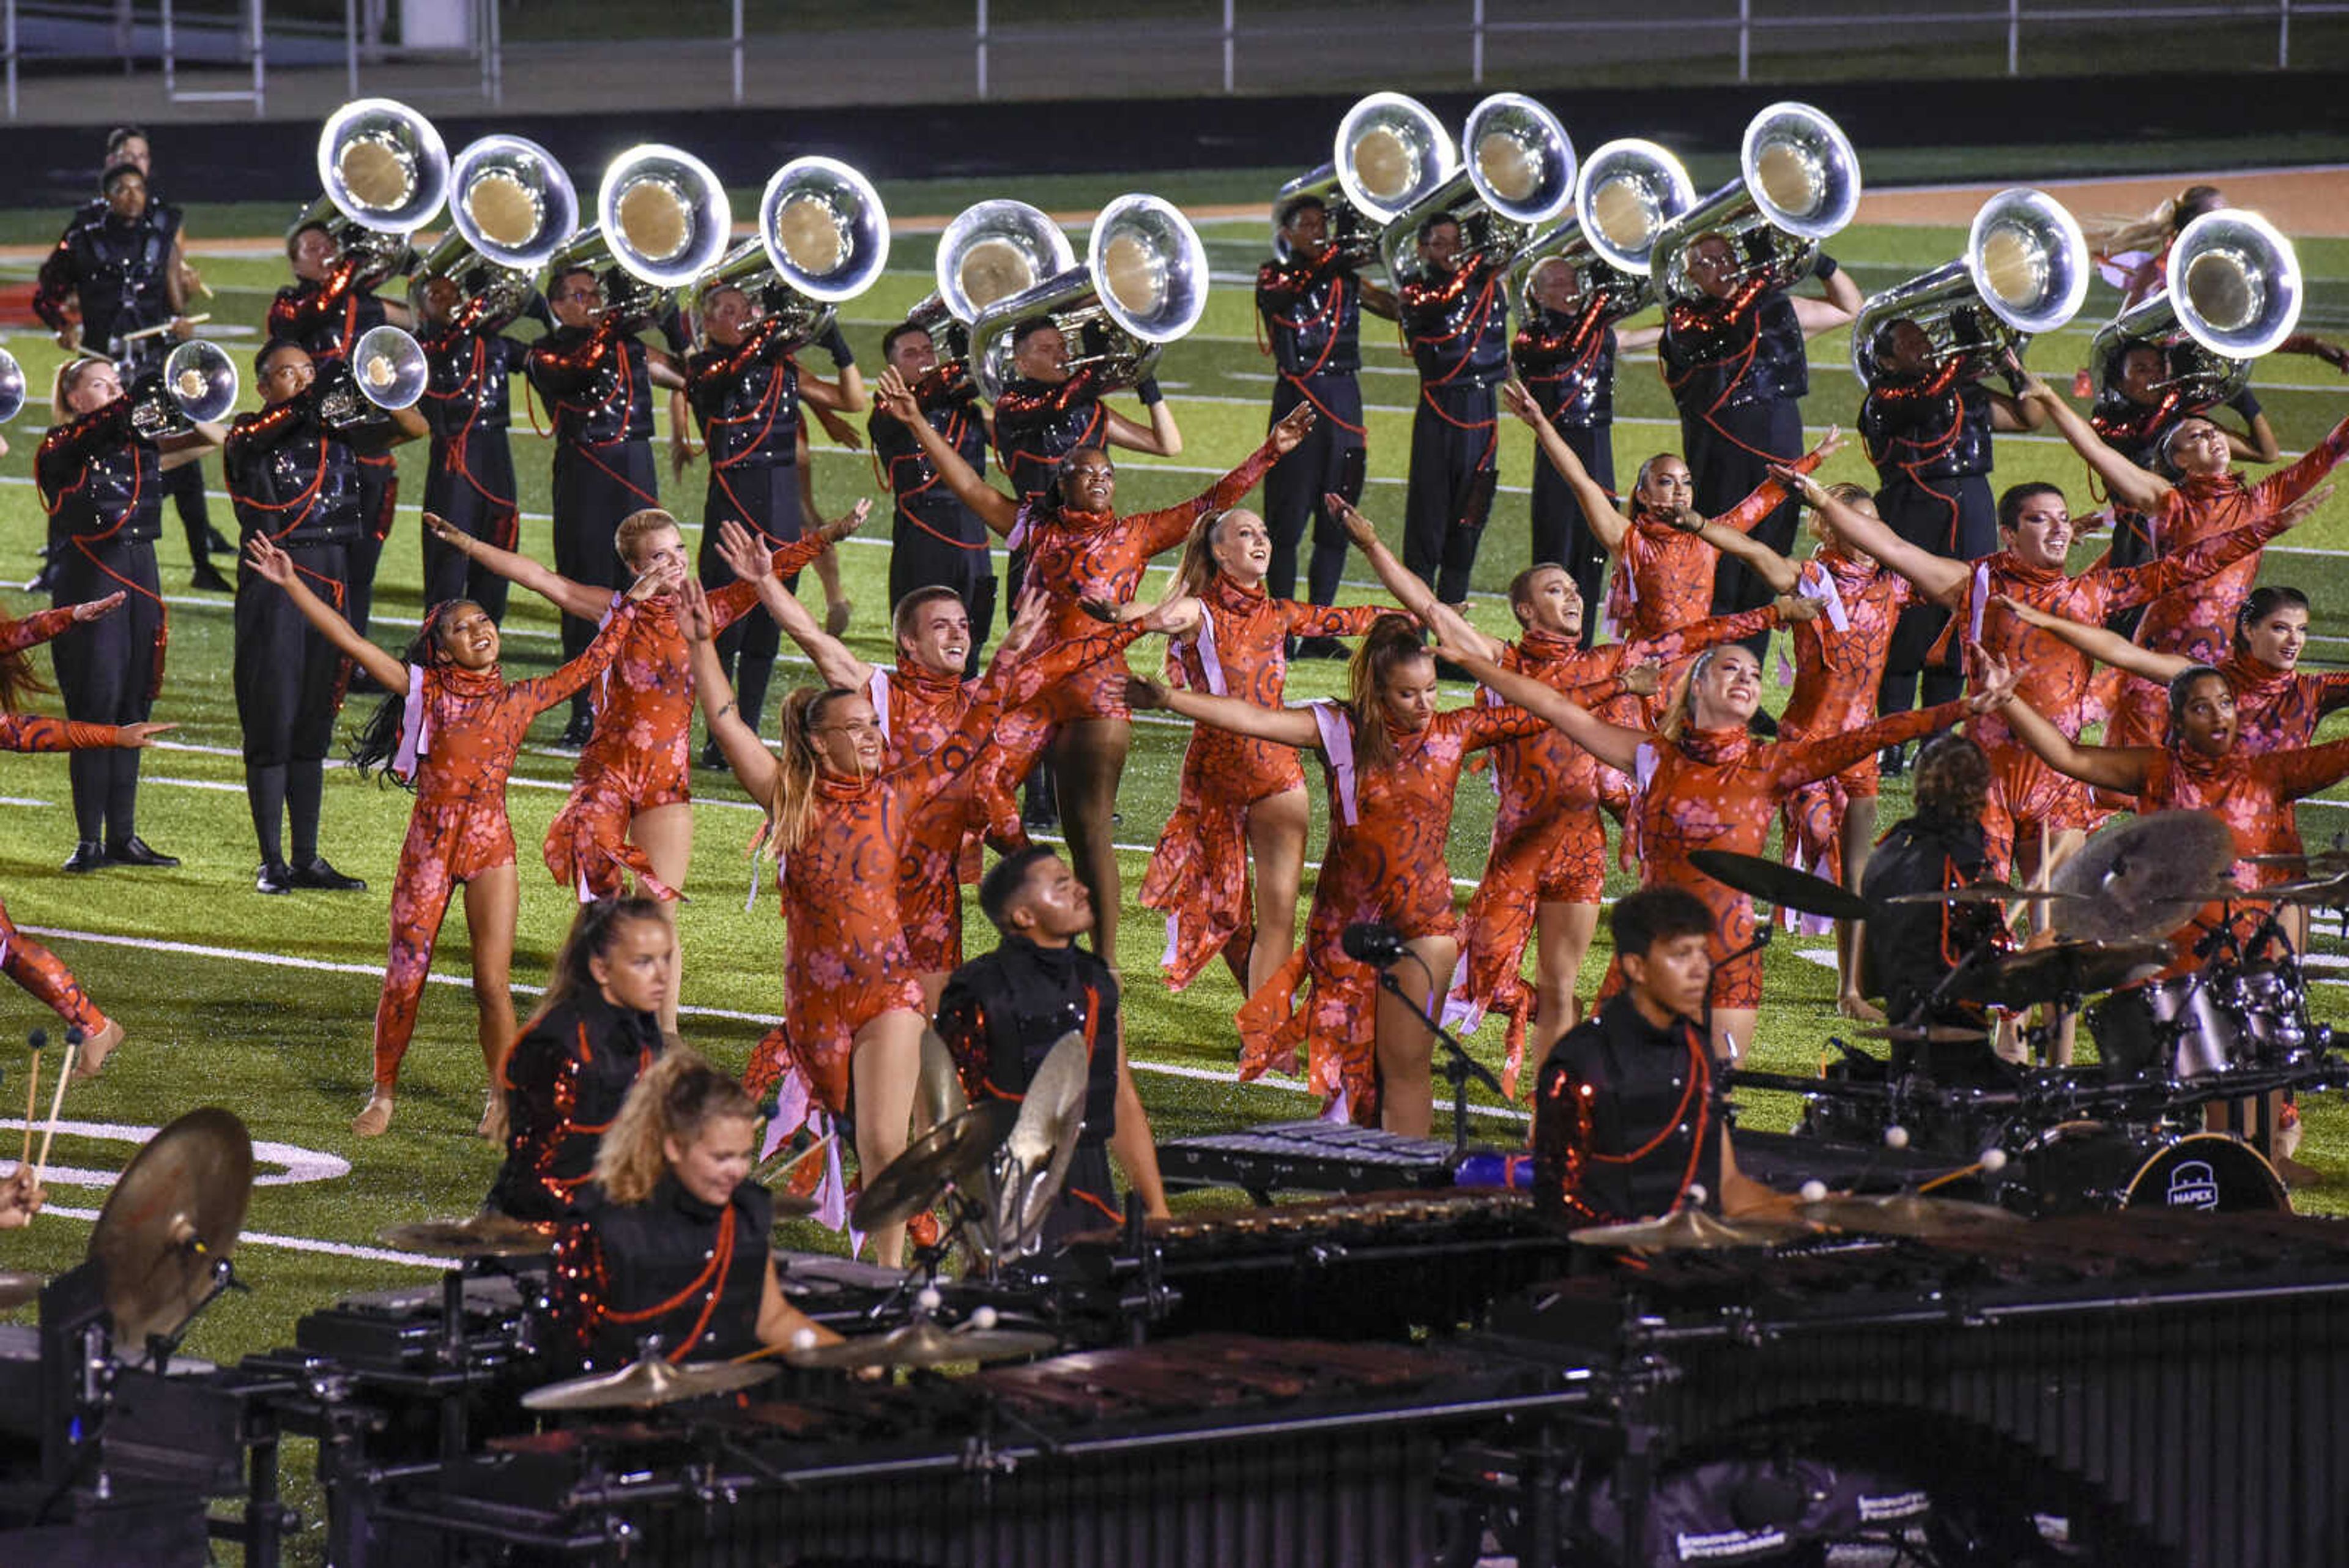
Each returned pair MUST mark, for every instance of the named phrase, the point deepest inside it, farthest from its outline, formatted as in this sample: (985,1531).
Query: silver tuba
(2025,271)
(991,251)
(385,368)
(822,239)
(384,171)
(1798,182)
(1516,174)
(662,221)
(511,207)
(12,387)
(1628,191)
(2233,294)
(1143,285)
(1390,150)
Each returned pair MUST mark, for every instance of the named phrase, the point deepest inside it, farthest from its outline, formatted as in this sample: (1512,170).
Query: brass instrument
(1798,182)
(991,251)
(511,208)
(1390,150)
(384,171)
(197,384)
(386,368)
(1144,284)
(2234,295)
(662,221)
(1517,174)
(1629,190)
(2025,271)
(822,239)
(12,387)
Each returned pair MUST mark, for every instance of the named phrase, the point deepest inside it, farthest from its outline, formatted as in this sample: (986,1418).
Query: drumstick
(166,326)
(57,1101)
(33,1043)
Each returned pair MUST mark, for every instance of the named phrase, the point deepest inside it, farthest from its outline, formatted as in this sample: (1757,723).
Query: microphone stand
(1459,1067)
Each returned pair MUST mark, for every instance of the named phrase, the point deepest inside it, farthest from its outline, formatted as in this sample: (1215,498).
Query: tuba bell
(1389,151)
(385,368)
(2025,272)
(1629,190)
(662,221)
(823,240)
(1144,284)
(511,208)
(991,251)
(1516,174)
(2233,294)
(197,384)
(1798,182)
(12,387)
(384,173)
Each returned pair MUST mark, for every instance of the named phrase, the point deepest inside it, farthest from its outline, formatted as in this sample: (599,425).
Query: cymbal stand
(1459,1067)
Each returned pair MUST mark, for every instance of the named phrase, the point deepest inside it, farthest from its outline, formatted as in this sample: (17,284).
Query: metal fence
(703,53)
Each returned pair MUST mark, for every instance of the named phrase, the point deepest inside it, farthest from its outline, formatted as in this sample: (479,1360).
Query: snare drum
(2183,1029)
(2079,1167)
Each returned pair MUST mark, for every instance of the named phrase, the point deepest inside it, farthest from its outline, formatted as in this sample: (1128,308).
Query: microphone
(1372,942)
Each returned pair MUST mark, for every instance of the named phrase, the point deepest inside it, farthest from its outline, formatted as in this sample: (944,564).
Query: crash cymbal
(794,1206)
(2144,878)
(16,1289)
(174,1214)
(1780,885)
(1984,893)
(642,1385)
(1690,1229)
(483,1235)
(925,1343)
(941,1095)
(1932,1033)
(1042,1142)
(2064,970)
(1907,1214)
(949,1153)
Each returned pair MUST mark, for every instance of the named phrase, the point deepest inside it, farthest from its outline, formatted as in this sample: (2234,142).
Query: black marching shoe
(713,757)
(315,873)
(218,544)
(1892,762)
(274,877)
(575,733)
(208,577)
(136,851)
(88,856)
(1320,647)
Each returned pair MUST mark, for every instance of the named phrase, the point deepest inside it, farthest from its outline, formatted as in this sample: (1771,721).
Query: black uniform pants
(379,496)
(289,682)
(764,498)
(1955,518)
(478,501)
(1453,473)
(1729,454)
(106,672)
(1562,535)
(594,488)
(185,487)
(1331,457)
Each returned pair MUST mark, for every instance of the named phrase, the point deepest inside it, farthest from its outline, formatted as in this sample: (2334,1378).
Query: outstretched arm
(1766,497)
(1607,523)
(277,566)
(754,562)
(753,765)
(1939,578)
(572,599)
(1284,726)
(2135,488)
(1781,574)
(1162,438)
(2120,768)
(994,508)
(2104,647)
(1614,744)
(1448,624)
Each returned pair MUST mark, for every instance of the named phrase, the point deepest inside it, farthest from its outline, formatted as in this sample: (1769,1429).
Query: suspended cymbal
(2065,970)
(941,1094)
(642,1385)
(1907,1214)
(483,1235)
(177,1210)
(792,1206)
(948,1153)
(1781,885)
(1984,893)
(2143,878)
(1690,1229)
(1043,1141)
(925,1343)
(16,1289)
(1932,1033)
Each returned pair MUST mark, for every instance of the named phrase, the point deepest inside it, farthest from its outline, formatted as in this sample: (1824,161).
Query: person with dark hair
(1004,1012)
(293,474)
(592,1034)
(1455,314)
(1393,761)
(1310,299)
(1629,1121)
(96,475)
(598,376)
(934,541)
(117,270)
(468,480)
(669,1255)
(449,730)
(1733,356)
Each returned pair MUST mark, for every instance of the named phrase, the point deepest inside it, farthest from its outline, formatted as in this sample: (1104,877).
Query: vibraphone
(1214,1449)
(1306,1156)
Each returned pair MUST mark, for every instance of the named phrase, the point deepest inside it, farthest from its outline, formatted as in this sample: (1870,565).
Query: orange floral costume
(1198,875)
(2279,708)
(1840,661)
(640,754)
(1385,861)
(460,734)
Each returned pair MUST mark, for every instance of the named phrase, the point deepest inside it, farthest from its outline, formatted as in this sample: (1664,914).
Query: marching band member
(934,541)
(1455,317)
(468,480)
(1311,306)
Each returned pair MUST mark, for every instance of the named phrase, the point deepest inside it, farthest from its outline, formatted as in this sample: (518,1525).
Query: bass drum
(2083,1166)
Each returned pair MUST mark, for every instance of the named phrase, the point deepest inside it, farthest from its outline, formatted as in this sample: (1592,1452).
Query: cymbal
(2066,969)
(1907,1214)
(1043,1141)
(642,1385)
(176,1211)
(1985,893)
(482,1235)
(925,1343)
(1690,1229)
(16,1289)
(1932,1033)
(941,1092)
(794,1206)
(1781,885)
(2143,878)
(950,1152)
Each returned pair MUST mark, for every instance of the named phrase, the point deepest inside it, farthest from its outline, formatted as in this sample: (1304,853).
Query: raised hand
(93,609)
(693,616)
(1358,528)
(1644,680)
(1993,678)
(1829,443)
(271,563)
(747,553)
(448,533)
(1144,693)
(1792,608)
(897,399)
(848,522)
(1520,402)
(2298,512)
(135,737)
(1294,427)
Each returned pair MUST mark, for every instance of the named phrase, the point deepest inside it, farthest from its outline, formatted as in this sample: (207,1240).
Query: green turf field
(263,1004)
